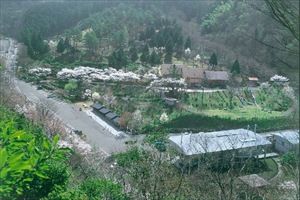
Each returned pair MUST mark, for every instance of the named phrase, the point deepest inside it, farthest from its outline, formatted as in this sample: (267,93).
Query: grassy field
(200,122)
(247,112)
(199,111)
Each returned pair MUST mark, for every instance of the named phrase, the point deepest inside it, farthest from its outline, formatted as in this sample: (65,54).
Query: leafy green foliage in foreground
(28,160)
(34,167)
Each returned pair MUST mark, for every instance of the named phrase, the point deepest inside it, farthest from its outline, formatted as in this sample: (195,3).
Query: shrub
(102,189)
(289,159)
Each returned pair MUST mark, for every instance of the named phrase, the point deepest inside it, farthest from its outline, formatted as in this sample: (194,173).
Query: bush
(102,189)
(289,159)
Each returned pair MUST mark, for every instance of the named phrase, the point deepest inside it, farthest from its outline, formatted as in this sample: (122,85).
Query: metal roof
(116,120)
(199,143)
(104,110)
(290,135)
(111,115)
(252,78)
(97,106)
(216,75)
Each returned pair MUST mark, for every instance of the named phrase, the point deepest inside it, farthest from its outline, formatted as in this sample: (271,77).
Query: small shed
(97,106)
(170,101)
(116,120)
(111,115)
(253,81)
(286,141)
(254,181)
(104,111)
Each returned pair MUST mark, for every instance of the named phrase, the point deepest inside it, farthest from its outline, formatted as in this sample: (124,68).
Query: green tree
(133,54)
(72,89)
(91,41)
(188,43)
(67,44)
(102,189)
(118,59)
(25,159)
(60,46)
(213,60)
(145,54)
(154,58)
(235,68)
(169,52)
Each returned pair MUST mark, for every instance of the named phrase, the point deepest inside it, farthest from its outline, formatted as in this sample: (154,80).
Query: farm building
(192,76)
(171,101)
(169,70)
(104,111)
(111,115)
(97,106)
(245,142)
(286,141)
(216,78)
(116,121)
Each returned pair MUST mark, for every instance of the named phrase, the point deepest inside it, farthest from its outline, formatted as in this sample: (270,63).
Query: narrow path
(279,173)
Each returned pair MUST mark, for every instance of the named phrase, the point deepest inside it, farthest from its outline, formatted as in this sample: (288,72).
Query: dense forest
(116,32)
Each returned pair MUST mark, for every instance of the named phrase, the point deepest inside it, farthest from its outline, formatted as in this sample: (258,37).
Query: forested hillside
(233,29)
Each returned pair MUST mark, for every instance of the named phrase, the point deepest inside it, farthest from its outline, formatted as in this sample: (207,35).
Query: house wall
(252,83)
(215,83)
(194,160)
(255,151)
(282,145)
(194,82)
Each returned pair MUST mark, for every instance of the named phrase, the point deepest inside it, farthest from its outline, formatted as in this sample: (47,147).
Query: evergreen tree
(67,44)
(112,59)
(188,43)
(122,58)
(145,54)
(213,60)
(235,68)
(154,58)
(169,52)
(37,47)
(60,46)
(133,54)
(168,58)
(118,59)
(91,41)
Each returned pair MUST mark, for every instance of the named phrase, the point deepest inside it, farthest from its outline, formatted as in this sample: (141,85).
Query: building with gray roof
(97,106)
(104,111)
(116,121)
(287,140)
(245,141)
(216,78)
(111,115)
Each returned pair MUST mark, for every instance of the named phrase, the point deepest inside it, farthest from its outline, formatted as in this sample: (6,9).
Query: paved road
(96,135)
